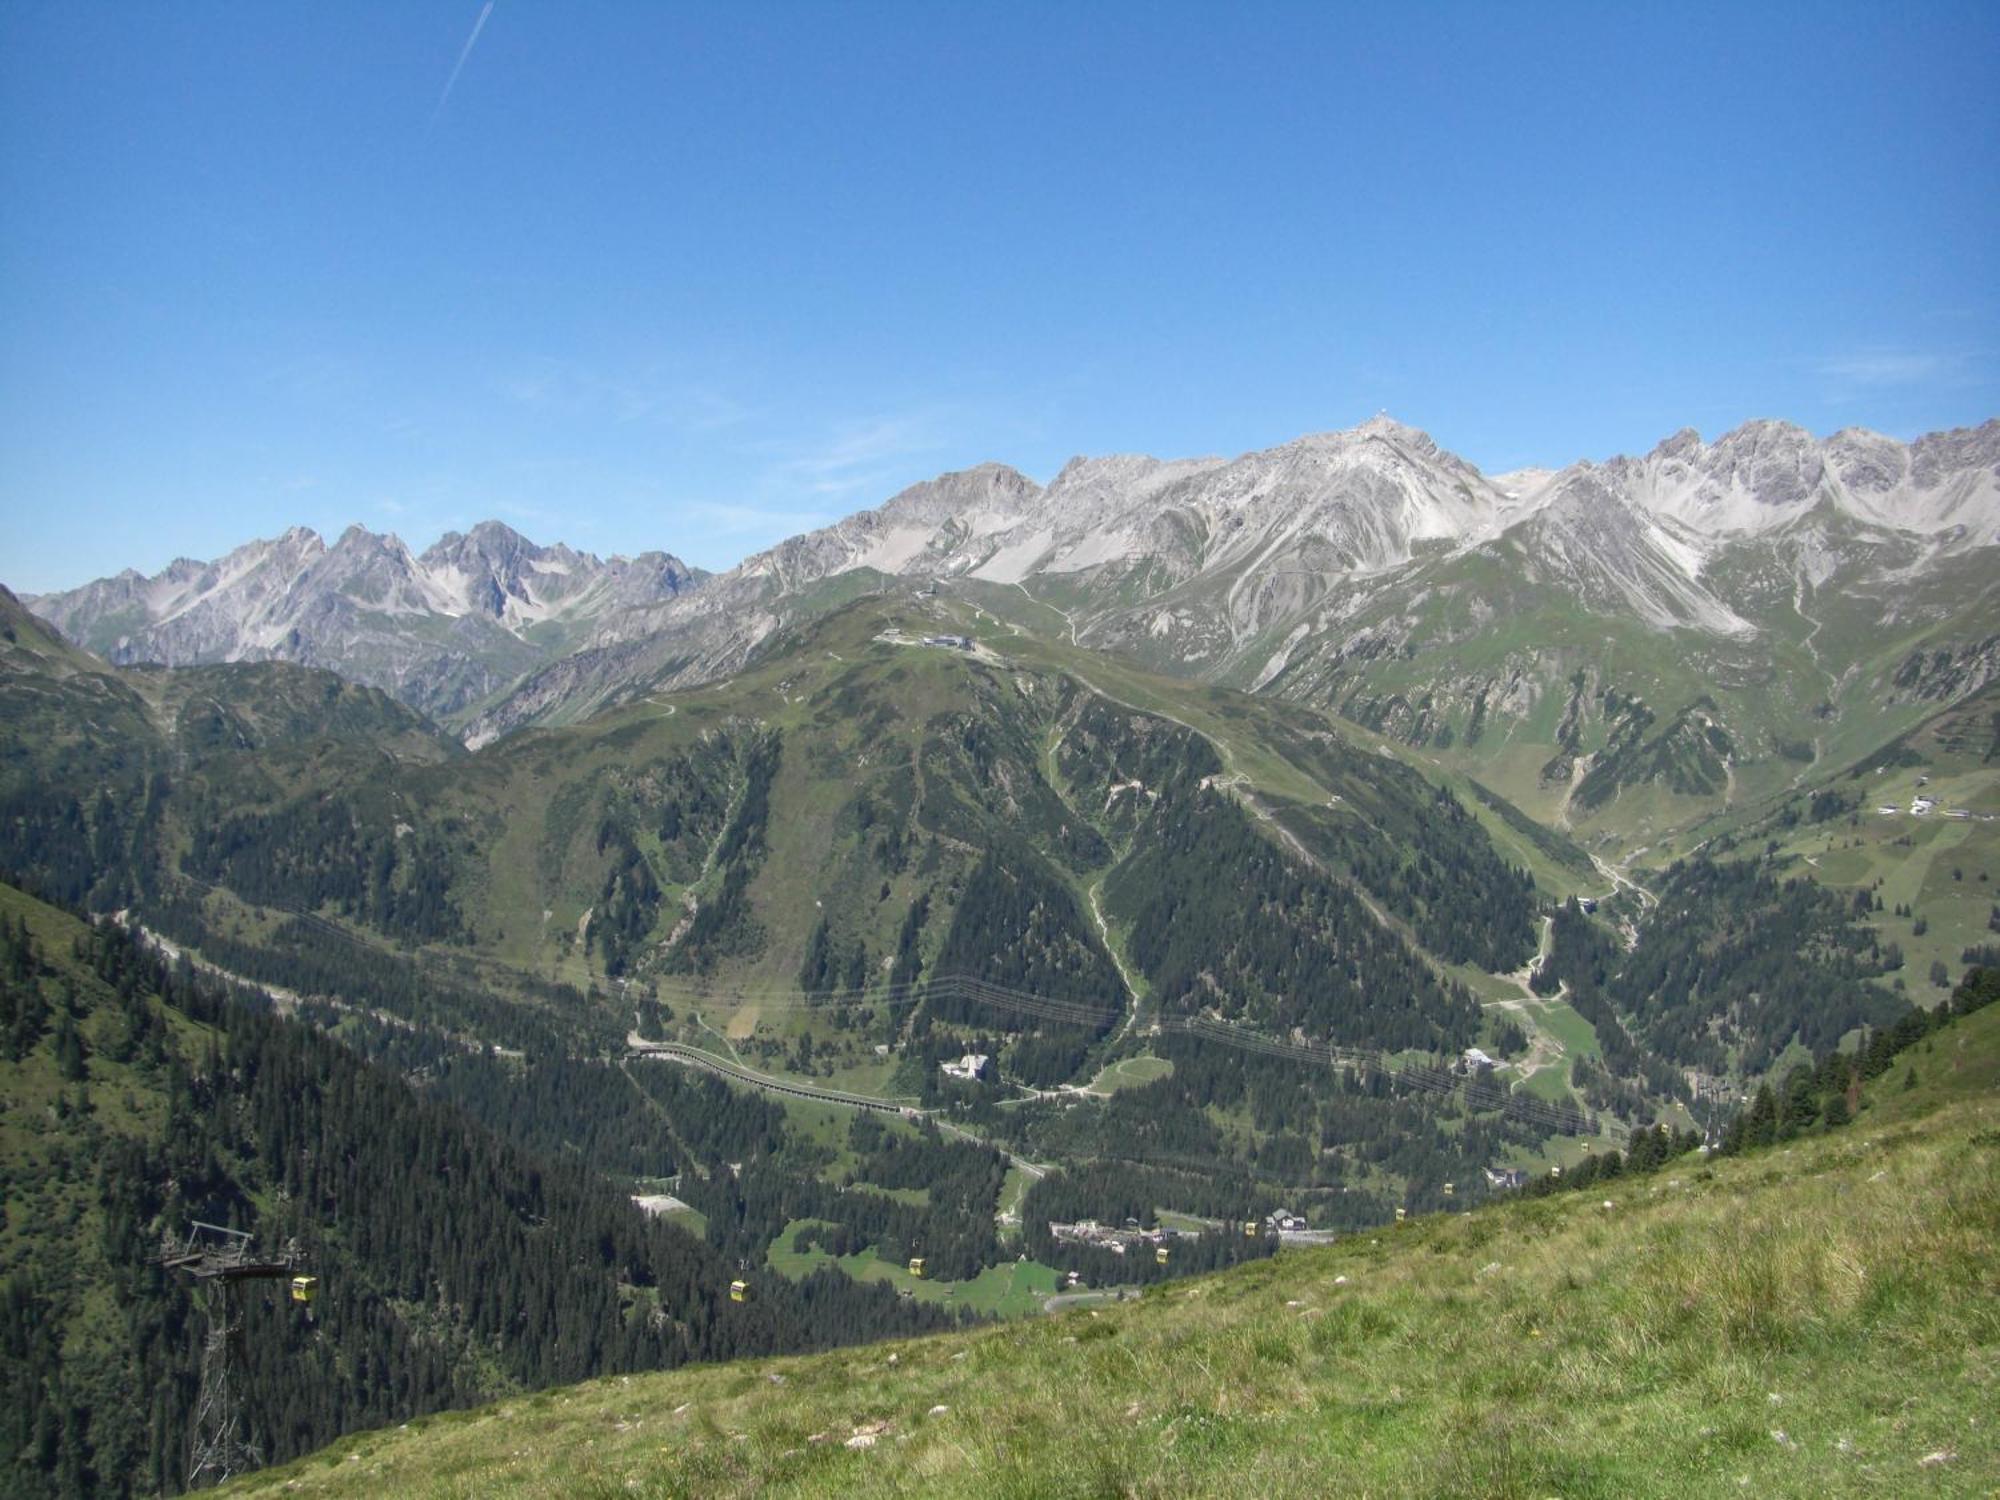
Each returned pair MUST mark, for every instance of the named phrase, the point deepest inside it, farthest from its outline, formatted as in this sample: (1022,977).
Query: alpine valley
(1010,896)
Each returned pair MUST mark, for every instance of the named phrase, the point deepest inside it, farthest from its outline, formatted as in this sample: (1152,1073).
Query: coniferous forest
(1200,1003)
(456,1263)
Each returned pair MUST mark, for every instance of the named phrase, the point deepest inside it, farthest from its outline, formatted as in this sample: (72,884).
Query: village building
(1117,1240)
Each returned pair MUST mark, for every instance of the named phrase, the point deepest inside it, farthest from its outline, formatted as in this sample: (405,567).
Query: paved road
(695,1057)
(681,1052)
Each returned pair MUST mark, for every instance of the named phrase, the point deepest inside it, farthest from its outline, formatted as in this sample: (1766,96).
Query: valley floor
(1818,1319)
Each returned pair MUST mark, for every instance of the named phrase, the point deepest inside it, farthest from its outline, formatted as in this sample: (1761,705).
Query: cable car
(1160,1256)
(739,1291)
(1401,1214)
(1447,1190)
(305,1288)
(917,1267)
(1249,1229)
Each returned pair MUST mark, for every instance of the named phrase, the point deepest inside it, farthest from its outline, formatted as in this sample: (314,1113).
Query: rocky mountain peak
(1683,447)
(1960,450)
(1194,564)
(365,606)
(1867,462)
(990,489)
(1775,462)
(1385,427)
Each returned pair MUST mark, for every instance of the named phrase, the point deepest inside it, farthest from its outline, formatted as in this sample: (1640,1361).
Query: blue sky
(699,277)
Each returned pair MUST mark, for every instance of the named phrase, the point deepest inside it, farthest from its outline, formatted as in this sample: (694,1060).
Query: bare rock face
(1307,567)
(1312,569)
(441,631)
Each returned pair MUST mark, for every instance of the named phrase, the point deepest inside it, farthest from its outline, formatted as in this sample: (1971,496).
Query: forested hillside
(455,1265)
(1815,1318)
(865,968)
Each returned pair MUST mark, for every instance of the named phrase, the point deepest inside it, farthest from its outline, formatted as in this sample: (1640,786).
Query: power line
(969,988)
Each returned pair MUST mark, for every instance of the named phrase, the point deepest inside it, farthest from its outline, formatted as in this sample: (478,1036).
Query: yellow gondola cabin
(305,1288)
(739,1291)
(1160,1256)
(917,1267)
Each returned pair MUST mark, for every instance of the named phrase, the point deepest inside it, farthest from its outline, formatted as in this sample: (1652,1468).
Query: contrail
(464,52)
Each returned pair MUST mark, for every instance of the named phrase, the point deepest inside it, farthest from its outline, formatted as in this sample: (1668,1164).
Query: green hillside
(458,1265)
(1626,735)
(1820,1318)
(909,831)
(779,863)
(1224,954)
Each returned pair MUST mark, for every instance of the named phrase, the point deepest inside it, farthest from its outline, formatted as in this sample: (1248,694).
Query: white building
(968,1067)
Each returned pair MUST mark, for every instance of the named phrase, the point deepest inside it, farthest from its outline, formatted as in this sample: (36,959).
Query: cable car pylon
(222,1263)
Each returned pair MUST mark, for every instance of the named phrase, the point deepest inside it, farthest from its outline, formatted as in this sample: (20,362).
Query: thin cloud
(645,396)
(535,515)
(859,456)
(765,524)
(485,11)
(1880,368)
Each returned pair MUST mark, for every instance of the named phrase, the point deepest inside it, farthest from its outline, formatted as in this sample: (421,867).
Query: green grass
(1551,1083)
(918,1196)
(1130,1072)
(1013,1188)
(1560,1020)
(1819,1319)
(1012,1290)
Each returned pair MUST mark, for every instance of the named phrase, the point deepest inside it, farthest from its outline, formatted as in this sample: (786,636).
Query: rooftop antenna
(224,1265)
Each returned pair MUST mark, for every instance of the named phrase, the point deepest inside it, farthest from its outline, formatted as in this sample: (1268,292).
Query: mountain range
(1621,647)
(1334,830)
(441,629)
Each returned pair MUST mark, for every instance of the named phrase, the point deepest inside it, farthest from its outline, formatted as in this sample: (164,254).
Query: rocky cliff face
(1787,577)
(441,630)
(1537,627)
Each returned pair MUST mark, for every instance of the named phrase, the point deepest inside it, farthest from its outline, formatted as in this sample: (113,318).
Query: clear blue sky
(697,277)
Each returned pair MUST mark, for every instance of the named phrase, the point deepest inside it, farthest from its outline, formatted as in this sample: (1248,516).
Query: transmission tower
(224,1265)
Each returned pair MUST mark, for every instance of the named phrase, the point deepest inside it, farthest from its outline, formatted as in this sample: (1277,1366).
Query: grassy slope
(124,1101)
(1820,673)
(535,872)
(1943,869)
(1028,638)
(1821,1319)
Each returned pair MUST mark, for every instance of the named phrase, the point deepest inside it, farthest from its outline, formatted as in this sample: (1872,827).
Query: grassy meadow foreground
(1817,1319)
